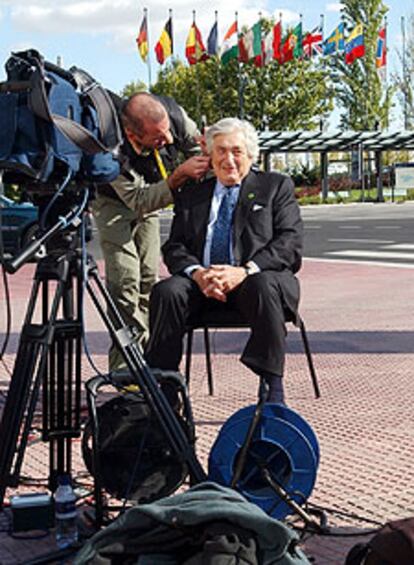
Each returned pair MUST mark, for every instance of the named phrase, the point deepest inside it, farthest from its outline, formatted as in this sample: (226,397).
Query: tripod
(49,359)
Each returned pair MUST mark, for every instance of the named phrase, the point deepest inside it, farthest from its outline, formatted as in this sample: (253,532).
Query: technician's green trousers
(131,251)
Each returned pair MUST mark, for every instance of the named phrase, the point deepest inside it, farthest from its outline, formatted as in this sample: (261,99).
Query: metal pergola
(324,142)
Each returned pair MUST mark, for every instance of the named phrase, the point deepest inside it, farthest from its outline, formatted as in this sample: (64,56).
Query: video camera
(57,126)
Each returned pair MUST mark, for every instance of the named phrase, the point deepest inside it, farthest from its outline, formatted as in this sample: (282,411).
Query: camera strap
(74,131)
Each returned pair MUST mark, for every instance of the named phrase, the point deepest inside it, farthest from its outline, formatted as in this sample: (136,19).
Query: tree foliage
(132,88)
(291,96)
(360,89)
(404,80)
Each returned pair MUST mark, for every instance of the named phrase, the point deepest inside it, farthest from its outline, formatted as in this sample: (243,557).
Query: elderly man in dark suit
(236,243)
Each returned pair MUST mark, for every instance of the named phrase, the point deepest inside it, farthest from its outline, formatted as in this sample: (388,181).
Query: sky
(99,35)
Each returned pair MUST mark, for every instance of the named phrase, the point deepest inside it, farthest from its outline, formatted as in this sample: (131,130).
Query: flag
(271,44)
(164,47)
(292,46)
(381,55)
(250,44)
(277,40)
(335,41)
(142,39)
(297,39)
(354,44)
(287,49)
(312,42)
(212,41)
(194,46)
(229,49)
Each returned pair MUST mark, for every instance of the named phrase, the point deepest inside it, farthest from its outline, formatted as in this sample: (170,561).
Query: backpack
(392,545)
(135,458)
(55,123)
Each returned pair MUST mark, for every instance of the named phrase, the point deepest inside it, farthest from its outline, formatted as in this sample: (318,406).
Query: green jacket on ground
(207,525)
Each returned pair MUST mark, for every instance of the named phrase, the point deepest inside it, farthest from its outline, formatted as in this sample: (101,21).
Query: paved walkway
(360,321)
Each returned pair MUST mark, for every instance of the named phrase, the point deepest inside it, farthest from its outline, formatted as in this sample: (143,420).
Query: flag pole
(264,117)
(283,76)
(322,26)
(385,51)
(148,58)
(404,69)
(170,17)
(240,77)
(385,47)
(218,74)
(196,81)
(170,14)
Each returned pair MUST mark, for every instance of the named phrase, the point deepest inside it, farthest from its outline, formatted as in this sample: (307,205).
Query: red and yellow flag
(142,39)
(164,47)
(195,50)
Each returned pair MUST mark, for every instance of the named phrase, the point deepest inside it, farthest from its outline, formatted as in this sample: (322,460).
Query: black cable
(17,536)
(8,310)
(42,221)
(328,531)
(7,296)
(344,514)
(135,467)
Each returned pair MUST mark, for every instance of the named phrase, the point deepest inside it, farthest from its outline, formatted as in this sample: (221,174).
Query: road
(361,232)
(381,233)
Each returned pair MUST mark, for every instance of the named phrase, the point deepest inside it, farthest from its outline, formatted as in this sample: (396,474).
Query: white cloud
(334,7)
(119,20)
(81,16)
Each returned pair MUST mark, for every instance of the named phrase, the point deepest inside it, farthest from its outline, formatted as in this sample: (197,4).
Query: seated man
(238,242)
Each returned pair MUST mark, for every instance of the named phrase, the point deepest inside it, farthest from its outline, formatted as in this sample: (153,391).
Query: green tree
(291,96)
(133,87)
(360,90)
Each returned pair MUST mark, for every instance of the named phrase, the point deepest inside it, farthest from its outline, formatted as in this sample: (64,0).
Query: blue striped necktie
(220,243)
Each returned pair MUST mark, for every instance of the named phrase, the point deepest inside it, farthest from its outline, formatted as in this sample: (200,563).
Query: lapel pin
(251,195)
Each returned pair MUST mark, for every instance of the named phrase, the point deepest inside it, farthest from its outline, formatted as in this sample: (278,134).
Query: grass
(354,196)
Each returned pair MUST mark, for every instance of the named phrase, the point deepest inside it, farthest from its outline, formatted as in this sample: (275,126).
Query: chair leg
(188,357)
(309,358)
(208,361)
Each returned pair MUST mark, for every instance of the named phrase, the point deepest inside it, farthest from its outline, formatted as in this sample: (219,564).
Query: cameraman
(158,134)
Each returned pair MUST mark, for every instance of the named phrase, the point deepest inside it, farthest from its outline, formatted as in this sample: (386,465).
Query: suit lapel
(200,211)
(247,196)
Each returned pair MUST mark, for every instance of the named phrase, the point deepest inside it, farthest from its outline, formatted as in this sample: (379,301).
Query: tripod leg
(29,371)
(144,378)
(13,414)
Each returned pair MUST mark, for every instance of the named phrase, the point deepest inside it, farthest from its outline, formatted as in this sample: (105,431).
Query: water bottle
(65,513)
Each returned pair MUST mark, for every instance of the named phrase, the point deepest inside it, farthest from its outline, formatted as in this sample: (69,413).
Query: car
(19,223)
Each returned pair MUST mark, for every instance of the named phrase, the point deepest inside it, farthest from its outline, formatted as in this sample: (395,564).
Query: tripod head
(61,226)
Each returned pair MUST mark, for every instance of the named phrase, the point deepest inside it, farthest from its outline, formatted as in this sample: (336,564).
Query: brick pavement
(360,321)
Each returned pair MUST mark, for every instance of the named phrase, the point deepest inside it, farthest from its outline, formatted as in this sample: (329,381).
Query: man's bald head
(146,120)
(140,109)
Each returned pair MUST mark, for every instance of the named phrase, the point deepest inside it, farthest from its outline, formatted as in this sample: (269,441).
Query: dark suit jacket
(267,228)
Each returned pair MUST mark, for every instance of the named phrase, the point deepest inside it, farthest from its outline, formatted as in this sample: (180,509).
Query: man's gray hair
(230,125)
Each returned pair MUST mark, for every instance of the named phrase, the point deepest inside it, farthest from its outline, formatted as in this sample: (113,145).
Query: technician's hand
(201,140)
(194,168)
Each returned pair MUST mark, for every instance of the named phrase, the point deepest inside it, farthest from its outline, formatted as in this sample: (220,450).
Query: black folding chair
(227,318)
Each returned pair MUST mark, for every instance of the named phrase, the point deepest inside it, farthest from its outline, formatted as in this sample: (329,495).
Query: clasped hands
(218,280)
